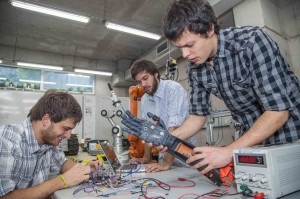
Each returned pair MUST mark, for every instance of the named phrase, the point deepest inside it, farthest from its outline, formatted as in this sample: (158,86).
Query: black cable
(161,184)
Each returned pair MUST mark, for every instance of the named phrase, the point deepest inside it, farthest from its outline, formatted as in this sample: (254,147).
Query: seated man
(165,98)
(29,157)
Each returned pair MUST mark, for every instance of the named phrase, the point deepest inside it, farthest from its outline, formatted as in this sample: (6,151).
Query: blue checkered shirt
(23,163)
(251,76)
(170,103)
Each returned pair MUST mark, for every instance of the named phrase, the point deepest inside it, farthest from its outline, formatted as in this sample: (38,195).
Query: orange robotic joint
(136,148)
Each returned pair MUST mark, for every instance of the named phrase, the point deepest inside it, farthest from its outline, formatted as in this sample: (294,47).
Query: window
(69,82)
(14,77)
(24,78)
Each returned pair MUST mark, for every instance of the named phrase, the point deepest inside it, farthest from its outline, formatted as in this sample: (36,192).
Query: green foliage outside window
(26,78)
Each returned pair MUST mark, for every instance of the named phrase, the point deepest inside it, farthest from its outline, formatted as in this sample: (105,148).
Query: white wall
(101,87)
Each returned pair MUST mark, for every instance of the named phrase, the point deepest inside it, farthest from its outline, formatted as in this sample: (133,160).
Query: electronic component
(70,146)
(171,67)
(272,170)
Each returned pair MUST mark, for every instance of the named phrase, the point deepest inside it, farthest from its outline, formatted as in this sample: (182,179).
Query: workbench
(202,185)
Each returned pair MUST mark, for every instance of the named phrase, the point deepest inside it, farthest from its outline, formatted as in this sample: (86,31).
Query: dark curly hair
(144,65)
(58,105)
(197,16)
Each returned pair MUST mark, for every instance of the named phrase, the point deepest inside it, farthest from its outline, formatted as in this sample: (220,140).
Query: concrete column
(280,19)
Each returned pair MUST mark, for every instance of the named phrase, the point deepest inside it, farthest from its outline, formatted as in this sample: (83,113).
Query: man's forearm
(264,127)
(43,190)
(68,164)
(190,127)
(147,152)
(168,158)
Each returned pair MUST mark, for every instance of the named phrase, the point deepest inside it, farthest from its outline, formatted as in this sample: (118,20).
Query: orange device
(136,148)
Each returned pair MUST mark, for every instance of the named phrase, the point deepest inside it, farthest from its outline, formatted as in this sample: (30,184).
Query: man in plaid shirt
(242,66)
(29,157)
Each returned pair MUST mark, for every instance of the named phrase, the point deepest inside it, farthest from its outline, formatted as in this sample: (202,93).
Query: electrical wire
(194,194)
(159,183)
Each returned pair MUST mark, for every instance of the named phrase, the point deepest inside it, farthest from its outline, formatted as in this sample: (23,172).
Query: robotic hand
(159,135)
(156,134)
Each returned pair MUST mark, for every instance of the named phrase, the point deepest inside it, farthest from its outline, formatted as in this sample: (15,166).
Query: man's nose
(143,83)
(68,134)
(185,52)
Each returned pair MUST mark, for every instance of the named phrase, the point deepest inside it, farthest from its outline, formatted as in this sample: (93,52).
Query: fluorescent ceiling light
(50,11)
(92,72)
(81,85)
(34,81)
(74,75)
(0,61)
(40,66)
(2,78)
(132,30)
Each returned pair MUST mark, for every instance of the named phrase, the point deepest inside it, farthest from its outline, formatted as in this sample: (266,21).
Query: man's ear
(46,121)
(211,32)
(156,75)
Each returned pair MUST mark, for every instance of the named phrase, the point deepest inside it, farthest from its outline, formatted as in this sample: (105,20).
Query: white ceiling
(42,32)
(27,30)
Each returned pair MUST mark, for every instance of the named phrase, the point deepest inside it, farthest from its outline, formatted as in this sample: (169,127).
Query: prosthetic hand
(158,134)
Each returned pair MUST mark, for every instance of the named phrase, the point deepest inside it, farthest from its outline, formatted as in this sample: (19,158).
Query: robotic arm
(109,114)
(136,148)
(159,135)
(116,102)
(136,145)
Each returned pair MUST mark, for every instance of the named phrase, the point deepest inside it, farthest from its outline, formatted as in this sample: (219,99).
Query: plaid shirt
(23,163)
(251,76)
(170,103)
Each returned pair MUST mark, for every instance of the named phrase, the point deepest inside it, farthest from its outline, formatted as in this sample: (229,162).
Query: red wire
(193,194)
(182,180)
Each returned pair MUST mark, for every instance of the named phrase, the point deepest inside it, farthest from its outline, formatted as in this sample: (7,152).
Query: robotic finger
(157,119)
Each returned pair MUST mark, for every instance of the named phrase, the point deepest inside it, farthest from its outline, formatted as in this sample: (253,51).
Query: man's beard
(154,87)
(49,136)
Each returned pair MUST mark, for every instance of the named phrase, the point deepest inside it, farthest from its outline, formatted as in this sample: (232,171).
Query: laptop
(115,163)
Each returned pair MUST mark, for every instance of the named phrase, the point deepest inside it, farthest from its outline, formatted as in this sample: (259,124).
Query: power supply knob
(245,177)
(264,180)
(255,178)
(239,175)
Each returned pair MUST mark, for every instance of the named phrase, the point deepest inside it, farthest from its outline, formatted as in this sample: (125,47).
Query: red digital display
(251,159)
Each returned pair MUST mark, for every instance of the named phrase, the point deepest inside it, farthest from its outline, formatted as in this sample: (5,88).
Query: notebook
(115,163)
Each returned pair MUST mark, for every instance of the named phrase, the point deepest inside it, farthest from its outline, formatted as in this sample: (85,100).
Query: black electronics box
(73,145)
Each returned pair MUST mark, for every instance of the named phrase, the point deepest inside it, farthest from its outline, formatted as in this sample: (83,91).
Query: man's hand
(77,174)
(142,160)
(214,157)
(156,167)
(95,164)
